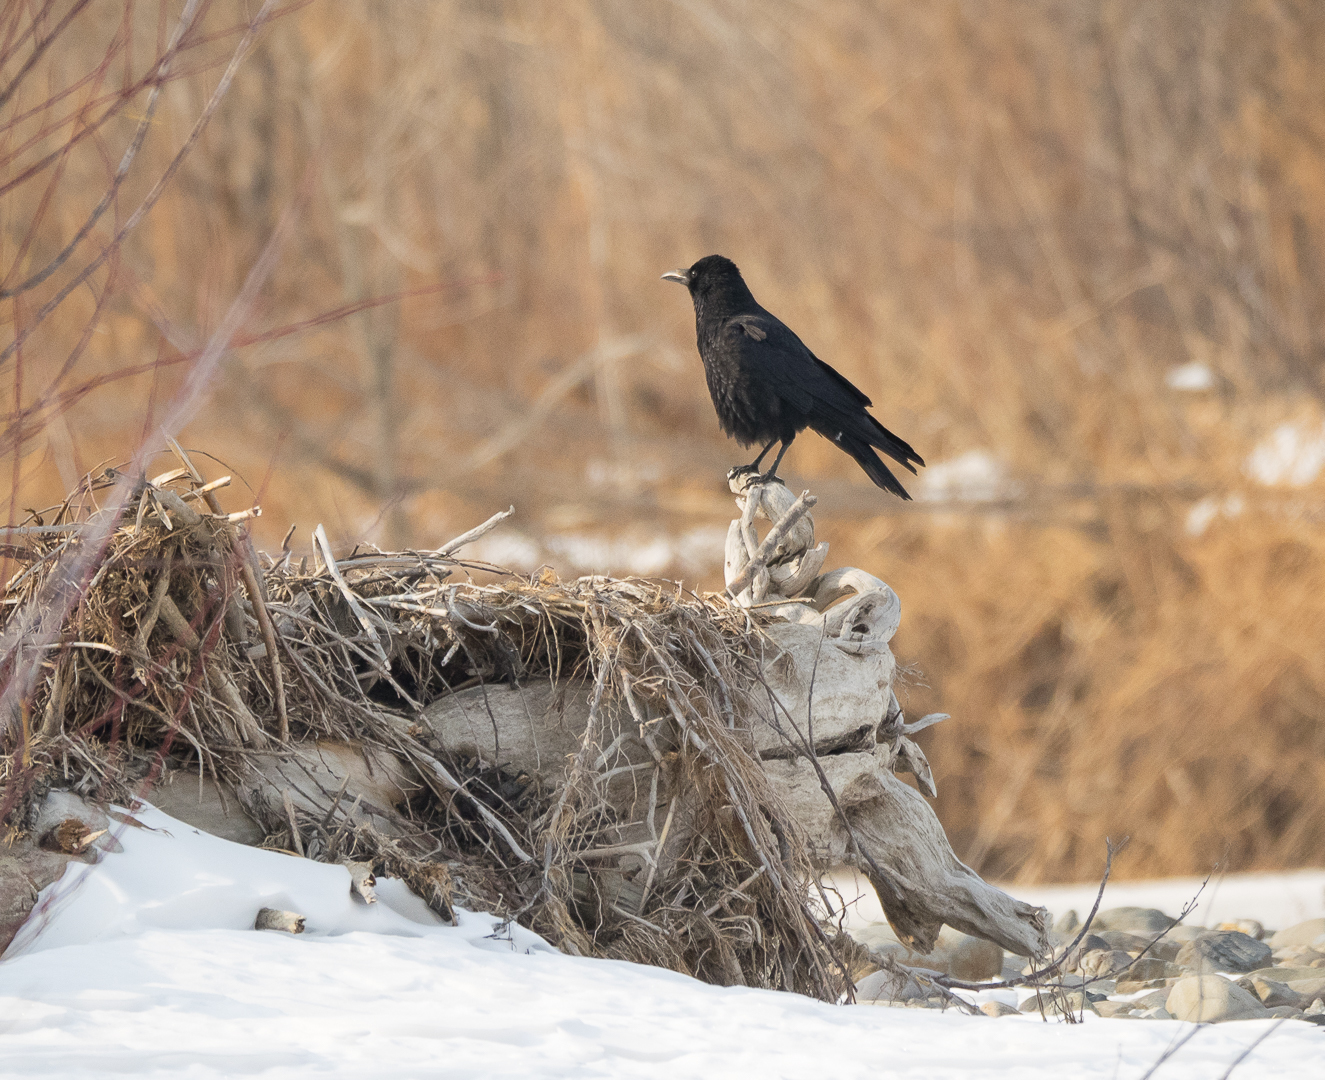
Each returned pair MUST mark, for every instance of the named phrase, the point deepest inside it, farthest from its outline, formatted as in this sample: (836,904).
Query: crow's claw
(756,477)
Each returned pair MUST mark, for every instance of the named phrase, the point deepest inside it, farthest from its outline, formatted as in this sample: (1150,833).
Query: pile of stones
(1234,971)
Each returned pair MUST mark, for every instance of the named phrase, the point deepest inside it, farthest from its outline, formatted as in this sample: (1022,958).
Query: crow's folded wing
(772,354)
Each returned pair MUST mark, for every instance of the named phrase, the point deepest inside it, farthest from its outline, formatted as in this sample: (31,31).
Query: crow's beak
(683,276)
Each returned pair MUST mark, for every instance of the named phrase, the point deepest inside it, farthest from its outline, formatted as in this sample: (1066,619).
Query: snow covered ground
(146,965)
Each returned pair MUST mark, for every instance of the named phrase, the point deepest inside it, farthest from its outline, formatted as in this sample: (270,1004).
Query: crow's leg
(772,473)
(754,465)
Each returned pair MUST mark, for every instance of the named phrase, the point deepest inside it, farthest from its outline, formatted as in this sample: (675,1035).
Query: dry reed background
(1007,222)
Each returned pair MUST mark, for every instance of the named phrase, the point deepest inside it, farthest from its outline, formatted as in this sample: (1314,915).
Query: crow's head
(709,271)
(713,275)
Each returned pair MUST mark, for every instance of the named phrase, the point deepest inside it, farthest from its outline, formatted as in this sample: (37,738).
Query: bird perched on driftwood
(767,386)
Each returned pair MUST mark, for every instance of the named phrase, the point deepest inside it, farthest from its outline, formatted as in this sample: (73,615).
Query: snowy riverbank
(145,964)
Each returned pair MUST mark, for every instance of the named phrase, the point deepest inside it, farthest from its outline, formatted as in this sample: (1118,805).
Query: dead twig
(451,547)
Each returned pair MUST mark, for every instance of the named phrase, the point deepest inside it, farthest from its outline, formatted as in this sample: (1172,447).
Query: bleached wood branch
(775,535)
(473,534)
(443,776)
(360,613)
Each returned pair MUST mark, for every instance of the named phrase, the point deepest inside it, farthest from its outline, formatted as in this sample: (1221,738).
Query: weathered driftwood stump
(824,719)
(839,673)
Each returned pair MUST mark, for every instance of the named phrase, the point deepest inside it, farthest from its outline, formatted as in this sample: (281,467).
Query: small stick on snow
(272,919)
(362,881)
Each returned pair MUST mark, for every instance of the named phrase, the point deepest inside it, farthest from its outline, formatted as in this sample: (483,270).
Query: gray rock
(882,987)
(1126,985)
(1157,1013)
(1165,949)
(1299,956)
(1223,950)
(1310,989)
(209,807)
(1122,939)
(1162,949)
(1270,993)
(1067,923)
(1284,1012)
(1057,1003)
(1183,933)
(1113,1008)
(1134,920)
(997,1008)
(973,958)
(877,937)
(1303,933)
(1104,962)
(25,870)
(1130,986)
(1212,999)
(955,953)
(1250,927)
(1152,1000)
(1149,968)
(1089,944)
(1093,986)
(1288,974)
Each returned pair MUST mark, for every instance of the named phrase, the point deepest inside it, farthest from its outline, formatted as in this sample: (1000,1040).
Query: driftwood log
(826,711)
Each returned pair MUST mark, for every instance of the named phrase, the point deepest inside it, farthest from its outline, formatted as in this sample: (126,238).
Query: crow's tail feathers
(897,449)
(873,465)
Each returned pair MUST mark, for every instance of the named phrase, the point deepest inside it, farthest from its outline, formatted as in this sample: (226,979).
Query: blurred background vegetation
(1072,248)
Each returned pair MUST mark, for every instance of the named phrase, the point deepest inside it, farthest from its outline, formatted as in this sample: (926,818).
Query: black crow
(767,386)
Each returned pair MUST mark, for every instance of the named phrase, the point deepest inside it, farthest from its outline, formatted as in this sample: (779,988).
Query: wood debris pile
(620,765)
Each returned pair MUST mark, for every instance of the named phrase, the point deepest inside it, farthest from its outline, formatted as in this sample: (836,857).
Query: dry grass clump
(1109,680)
(181,650)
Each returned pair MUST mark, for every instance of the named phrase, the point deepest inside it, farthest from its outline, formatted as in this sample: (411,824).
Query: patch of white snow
(1292,454)
(976,476)
(1204,512)
(1191,378)
(506,548)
